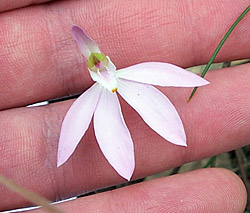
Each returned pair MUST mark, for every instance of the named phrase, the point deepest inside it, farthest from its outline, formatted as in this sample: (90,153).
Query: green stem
(211,160)
(29,195)
(219,47)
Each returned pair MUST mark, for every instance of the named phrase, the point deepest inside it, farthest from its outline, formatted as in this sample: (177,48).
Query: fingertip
(205,190)
(236,188)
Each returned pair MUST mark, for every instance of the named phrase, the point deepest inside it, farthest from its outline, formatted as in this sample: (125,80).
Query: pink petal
(155,109)
(85,43)
(76,122)
(162,74)
(113,136)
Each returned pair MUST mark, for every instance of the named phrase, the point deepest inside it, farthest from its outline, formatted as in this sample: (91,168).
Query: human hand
(40,61)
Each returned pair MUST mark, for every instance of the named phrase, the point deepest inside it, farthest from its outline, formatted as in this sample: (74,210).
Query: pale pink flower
(134,85)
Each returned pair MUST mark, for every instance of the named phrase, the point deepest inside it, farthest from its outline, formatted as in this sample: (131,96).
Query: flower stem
(29,195)
(219,47)
(211,160)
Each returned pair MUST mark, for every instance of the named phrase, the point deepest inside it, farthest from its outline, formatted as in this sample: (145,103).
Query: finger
(13,4)
(207,190)
(216,120)
(40,61)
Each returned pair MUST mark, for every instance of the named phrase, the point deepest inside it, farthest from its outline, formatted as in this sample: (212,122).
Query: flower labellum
(101,102)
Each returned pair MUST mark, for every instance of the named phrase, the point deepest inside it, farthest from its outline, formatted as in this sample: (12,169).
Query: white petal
(111,66)
(85,43)
(113,136)
(155,109)
(76,122)
(106,78)
(161,74)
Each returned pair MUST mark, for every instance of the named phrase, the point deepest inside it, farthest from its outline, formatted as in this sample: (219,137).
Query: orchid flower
(101,102)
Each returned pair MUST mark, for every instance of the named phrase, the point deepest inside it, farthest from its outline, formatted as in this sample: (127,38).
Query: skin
(40,61)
